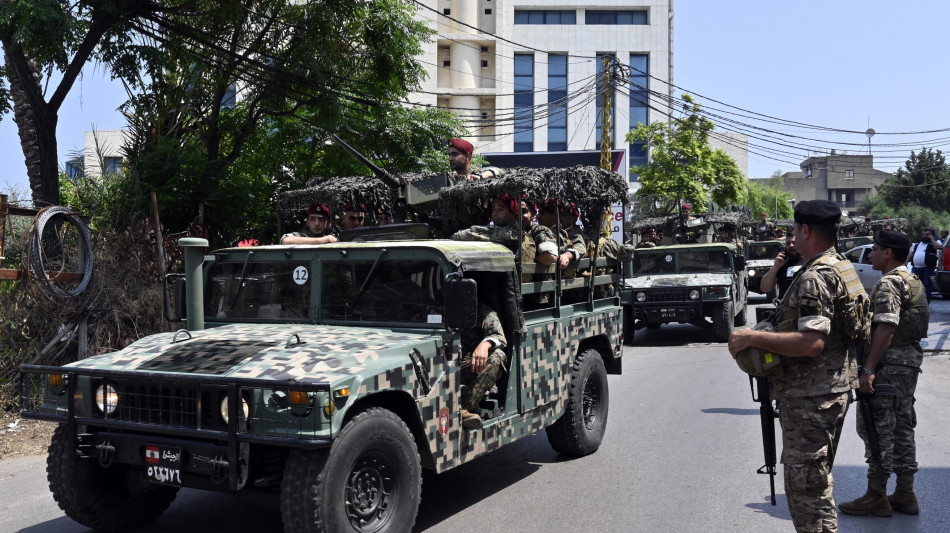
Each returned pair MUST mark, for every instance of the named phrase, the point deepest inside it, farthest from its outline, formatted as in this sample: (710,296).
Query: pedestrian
(924,259)
(901,318)
(783,270)
(817,331)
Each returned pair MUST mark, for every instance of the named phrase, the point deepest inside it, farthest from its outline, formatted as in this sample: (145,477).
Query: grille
(164,404)
(666,295)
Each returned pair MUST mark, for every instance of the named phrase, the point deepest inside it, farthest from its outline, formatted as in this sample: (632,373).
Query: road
(680,454)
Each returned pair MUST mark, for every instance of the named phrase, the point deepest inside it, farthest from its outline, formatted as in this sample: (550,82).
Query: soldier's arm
(886,301)
(788,343)
(767,282)
(293,239)
(547,247)
(493,332)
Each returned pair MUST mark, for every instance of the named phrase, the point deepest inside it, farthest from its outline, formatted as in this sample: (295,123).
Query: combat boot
(874,502)
(470,420)
(904,500)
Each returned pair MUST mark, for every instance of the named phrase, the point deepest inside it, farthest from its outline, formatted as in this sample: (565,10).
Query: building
(525,74)
(843,178)
(736,146)
(101,155)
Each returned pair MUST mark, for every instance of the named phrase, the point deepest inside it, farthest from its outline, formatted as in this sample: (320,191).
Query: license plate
(671,312)
(163,465)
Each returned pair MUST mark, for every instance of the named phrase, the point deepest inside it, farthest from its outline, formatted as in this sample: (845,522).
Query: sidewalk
(938,334)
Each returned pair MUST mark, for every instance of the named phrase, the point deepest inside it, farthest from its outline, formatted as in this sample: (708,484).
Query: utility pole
(606,112)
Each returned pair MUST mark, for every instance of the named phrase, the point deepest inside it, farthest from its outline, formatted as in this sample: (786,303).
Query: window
(74,168)
(849,174)
(523,16)
(111,165)
(488,11)
(484,63)
(639,102)
(557,102)
(446,11)
(807,172)
(446,63)
(600,99)
(265,292)
(627,18)
(524,103)
(399,291)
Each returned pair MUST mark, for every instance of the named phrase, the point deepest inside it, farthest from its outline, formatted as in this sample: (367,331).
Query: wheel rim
(591,403)
(370,490)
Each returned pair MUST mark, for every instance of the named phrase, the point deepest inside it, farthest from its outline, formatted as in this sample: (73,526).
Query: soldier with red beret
(317,229)
(460,160)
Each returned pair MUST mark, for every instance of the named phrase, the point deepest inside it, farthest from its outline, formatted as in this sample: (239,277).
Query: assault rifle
(767,418)
(880,389)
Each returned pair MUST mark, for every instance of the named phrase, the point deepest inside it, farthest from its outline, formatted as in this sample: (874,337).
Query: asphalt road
(682,446)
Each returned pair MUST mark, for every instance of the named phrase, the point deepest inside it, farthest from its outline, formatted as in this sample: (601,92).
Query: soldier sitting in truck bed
(483,362)
(317,229)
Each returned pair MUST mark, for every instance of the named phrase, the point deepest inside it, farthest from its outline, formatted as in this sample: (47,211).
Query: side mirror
(175,283)
(740,263)
(461,302)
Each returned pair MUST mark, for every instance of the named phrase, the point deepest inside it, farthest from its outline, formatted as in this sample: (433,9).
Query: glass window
(849,174)
(524,103)
(395,291)
(261,291)
(549,16)
(557,102)
(636,17)
(637,153)
(112,165)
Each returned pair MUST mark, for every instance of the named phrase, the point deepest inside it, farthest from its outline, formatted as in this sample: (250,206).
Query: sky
(844,64)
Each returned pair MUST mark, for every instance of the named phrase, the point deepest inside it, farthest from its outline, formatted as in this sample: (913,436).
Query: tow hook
(106,453)
(219,469)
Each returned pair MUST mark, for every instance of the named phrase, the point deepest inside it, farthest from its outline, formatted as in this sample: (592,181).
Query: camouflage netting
(635,227)
(339,192)
(593,189)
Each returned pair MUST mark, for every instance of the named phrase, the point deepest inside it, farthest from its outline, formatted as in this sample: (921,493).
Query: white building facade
(525,73)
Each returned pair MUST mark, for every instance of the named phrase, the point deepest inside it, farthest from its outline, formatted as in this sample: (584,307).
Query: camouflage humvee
(686,284)
(327,375)
(760,256)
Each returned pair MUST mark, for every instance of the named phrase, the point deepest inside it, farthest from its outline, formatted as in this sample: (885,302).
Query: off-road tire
(771,295)
(581,428)
(370,473)
(723,324)
(99,498)
(742,318)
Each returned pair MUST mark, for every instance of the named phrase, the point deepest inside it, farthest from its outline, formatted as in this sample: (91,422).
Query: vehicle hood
(680,280)
(759,263)
(258,351)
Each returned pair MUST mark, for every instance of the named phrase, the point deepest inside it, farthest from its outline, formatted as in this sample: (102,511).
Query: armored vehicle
(327,376)
(760,256)
(687,284)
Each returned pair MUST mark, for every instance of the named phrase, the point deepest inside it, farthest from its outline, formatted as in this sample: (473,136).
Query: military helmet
(757,361)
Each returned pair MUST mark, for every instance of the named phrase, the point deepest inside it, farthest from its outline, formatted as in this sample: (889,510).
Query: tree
(683,166)
(52,39)
(767,196)
(922,182)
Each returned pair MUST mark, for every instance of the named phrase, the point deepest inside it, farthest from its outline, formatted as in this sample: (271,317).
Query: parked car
(942,275)
(860,258)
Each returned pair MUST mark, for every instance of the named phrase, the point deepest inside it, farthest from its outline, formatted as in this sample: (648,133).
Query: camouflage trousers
(475,386)
(895,419)
(811,430)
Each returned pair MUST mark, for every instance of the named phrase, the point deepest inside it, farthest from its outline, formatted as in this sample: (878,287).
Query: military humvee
(686,283)
(327,375)
(759,258)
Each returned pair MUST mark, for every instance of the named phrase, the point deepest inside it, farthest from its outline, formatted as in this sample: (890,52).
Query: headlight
(694,294)
(224,408)
(752,272)
(641,296)
(107,399)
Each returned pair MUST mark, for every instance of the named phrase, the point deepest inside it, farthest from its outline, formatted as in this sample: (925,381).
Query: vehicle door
(860,258)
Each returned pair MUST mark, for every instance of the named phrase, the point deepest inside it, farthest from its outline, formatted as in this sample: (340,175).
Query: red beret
(570,209)
(319,209)
(355,208)
(549,205)
(510,203)
(462,145)
(687,206)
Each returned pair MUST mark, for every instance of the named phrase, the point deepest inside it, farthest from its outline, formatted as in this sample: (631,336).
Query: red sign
(152,455)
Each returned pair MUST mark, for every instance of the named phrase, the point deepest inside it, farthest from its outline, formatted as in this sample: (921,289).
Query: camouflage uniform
(504,235)
(899,300)
(576,241)
(814,394)
(476,385)
(537,239)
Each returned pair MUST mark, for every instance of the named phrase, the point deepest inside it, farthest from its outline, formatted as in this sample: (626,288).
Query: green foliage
(918,217)
(769,198)
(683,166)
(923,181)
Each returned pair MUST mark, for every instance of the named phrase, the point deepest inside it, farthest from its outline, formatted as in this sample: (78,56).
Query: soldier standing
(460,160)
(901,317)
(816,336)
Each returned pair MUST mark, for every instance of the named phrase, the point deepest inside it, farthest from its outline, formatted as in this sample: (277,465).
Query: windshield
(393,291)
(764,250)
(259,291)
(682,261)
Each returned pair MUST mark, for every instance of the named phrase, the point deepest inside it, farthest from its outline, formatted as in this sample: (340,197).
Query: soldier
(901,317)
(647,237)
(483,361)
(316,230)
(353,216)
(727,234)
(817,330)
(460,160)
(764,229)
(571,243)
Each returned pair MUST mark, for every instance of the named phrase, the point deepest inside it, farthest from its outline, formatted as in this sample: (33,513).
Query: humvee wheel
(100,498)
(370,480)
(581,428)
(723,324)
(742,318)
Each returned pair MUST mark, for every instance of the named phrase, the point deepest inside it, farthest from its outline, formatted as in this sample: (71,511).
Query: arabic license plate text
(163,465)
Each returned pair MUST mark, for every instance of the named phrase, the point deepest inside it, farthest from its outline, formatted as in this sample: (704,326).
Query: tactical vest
(914,318)
(529,251)
(851,323)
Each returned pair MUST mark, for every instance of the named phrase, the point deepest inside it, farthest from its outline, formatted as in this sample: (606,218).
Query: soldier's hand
(866,383)
(740,340)
(331,238)
(480,356)
(564,259)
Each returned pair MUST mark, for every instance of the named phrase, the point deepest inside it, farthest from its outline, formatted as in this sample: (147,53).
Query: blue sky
(824,63)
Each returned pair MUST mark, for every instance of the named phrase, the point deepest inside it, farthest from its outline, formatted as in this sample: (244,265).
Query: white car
(860,258)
